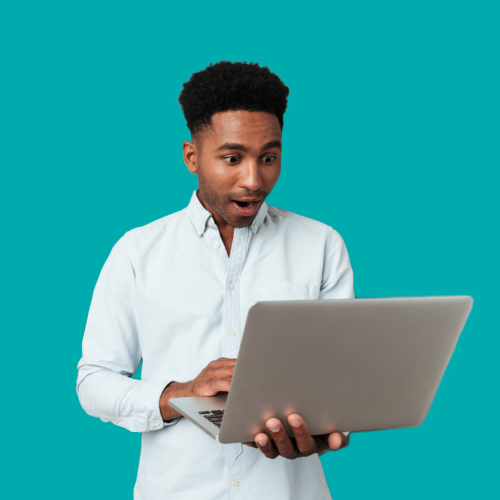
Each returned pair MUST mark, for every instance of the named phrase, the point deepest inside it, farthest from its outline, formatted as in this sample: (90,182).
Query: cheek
(225,178)
(271,175)
(218,176)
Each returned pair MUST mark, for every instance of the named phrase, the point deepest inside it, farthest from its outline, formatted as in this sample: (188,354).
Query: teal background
(391,136)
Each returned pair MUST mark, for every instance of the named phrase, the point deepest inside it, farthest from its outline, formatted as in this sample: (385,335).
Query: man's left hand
(302,445)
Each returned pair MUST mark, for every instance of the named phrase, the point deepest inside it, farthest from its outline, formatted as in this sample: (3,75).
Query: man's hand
(215,377)
(303,445)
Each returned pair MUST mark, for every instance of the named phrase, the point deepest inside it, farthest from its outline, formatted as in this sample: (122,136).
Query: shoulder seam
(293,215)
(129,245)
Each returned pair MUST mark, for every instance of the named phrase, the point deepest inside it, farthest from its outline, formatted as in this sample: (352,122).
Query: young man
(175,293)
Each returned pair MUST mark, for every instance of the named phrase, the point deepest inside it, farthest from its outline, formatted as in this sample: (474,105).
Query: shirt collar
(200,216)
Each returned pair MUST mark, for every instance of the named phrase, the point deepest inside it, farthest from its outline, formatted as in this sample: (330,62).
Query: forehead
(243,127)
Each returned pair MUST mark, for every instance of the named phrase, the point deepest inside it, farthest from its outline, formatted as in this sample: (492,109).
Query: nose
(251,176)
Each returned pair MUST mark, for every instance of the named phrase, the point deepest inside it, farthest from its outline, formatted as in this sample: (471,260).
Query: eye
(268,159)
(231,159)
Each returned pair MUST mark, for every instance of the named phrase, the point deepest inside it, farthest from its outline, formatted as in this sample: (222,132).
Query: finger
(305,442)
(281,439)
(337,440)
(266,445)
(223,362)
(322,445)
(210,387)
(219,384)
(222,372)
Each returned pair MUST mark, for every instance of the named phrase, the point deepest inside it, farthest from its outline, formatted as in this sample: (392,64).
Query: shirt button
(115,422)
(216,245)
(255,227)
(231,286)
(232,333)
(235,483)
(210,223)
(200,229)
(151,425)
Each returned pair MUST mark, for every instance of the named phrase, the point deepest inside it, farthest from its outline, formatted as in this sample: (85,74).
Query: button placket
(232,309)
(214,242)
(232,324)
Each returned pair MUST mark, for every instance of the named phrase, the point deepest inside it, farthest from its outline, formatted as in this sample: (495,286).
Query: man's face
(237,161)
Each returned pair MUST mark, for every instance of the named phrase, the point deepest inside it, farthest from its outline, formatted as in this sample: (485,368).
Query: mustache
(256,194)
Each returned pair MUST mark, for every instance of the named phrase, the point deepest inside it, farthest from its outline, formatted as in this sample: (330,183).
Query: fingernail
(338,441)
(262,443)
(294,421)
(274,428)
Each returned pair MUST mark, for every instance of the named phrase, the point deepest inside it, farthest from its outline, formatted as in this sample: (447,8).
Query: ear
(190,155)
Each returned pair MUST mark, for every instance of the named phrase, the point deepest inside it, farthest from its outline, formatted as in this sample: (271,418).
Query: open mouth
(246,207)
(245,204)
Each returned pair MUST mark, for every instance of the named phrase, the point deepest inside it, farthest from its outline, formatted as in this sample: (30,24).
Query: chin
(239,223)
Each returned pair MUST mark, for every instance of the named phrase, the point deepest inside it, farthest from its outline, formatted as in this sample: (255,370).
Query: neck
(221,223)
(226,231)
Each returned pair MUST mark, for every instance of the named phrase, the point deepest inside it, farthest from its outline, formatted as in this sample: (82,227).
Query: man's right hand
(215,377)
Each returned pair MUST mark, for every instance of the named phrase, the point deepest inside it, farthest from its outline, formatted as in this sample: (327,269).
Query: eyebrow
(232,145)
(272,144)
(240,147)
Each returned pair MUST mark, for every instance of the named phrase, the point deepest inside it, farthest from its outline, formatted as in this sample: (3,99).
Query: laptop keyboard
(214,416)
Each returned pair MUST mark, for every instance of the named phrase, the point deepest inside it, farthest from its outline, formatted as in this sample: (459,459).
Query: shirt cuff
(147,412)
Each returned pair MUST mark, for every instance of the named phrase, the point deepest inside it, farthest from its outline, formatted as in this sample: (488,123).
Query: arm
(112,352)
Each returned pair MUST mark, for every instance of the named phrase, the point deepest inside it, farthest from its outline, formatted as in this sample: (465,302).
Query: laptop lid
(343,365)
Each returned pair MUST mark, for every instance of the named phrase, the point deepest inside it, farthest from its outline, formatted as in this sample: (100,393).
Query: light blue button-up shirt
(164,296)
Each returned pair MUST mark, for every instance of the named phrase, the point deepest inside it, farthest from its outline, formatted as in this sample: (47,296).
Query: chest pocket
(286,291)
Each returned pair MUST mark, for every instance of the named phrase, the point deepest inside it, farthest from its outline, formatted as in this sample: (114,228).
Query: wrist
(172,390)
(177,390)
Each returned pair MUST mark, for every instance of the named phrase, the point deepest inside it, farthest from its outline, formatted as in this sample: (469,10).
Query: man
(175,293)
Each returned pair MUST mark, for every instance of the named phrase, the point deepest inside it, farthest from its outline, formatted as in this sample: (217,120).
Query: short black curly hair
(225,86)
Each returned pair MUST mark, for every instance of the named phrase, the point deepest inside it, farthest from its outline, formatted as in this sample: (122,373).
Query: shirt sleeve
(112,352)
(338,279)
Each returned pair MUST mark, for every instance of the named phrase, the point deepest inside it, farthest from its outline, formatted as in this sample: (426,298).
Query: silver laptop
(343,365)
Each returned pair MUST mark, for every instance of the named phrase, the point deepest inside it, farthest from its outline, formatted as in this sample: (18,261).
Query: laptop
(343,365)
